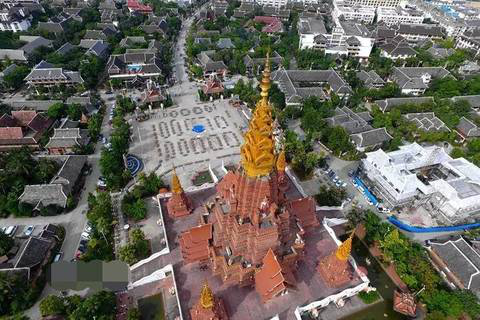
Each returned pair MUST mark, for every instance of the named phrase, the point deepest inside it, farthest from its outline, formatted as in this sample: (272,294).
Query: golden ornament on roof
(206,297)
(344,250)
(257,152)
(176,186)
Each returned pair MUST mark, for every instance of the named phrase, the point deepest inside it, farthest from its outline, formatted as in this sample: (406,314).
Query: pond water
(380,280)
(151,308)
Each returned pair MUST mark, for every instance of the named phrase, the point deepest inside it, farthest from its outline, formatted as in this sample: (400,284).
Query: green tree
(133,314)
(101,305)
(52,305)
(6,243)
(74,111)
(14,80)
(45,170)
(56,110)
(136,210)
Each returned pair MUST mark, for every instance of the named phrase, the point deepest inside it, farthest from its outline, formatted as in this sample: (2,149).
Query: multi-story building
(13,3)
(469,40)
(414,33)
(415,80)
(374,3)
(46,74)
(399,15)
(415,174)
(347,38)
(271,3)
(342,11)
(15,19)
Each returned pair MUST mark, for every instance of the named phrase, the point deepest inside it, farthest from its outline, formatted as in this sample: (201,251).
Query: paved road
(74,221)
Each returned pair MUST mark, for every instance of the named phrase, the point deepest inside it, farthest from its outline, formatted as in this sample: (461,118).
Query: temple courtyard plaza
(167,139)
(245,303)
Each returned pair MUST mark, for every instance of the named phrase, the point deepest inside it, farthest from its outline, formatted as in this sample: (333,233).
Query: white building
(416,174)
(358,13)
(346,38)
(374,3)
(15,19)
(398,15)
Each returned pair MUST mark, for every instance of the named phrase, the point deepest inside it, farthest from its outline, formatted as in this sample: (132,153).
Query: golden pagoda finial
(343,251)
(281,161)
(176,186)
(258,158)
(265,82)
(206,297)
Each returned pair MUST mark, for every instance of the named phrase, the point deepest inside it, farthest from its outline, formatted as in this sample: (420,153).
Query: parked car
(88,228)
(28,230)
(58,256)
(85,235)
(101,183)
(10,231)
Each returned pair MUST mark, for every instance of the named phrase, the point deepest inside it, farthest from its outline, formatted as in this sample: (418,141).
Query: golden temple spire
(344,250)
(257,152)
(281,161)
(176,186)
(206,297)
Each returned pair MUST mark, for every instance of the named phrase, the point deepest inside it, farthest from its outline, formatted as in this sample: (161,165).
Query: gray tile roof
(225,43)
(67,138)
(440,52)
(34,252)
(427,121)
(37,105)
(352,122)
(370,79)
(371,138)
(461,259)
(46,72)
(411,77)
(44,195)
(473,100)
(421,29)
(388,104)
(34,42)
(65,48)
(467,128)
(300,84)
(70,170)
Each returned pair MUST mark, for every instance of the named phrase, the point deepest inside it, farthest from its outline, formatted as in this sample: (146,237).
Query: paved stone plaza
(167,139)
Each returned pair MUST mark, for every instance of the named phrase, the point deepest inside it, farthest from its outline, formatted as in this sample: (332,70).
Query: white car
(10,231)
(101,183)
(28,230)
(88,229)
(85,235)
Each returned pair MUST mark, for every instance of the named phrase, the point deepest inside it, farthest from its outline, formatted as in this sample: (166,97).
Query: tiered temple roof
(178,205)
(338,261)
(256,231)
(208,307)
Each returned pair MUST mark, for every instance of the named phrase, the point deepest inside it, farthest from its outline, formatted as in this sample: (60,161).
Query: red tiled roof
(213,86)
(39,123)
(304,210)
(194,242)
(404,303)
(24,117)
(7,121)
(11,133)
(273,24)
(137,6)
(271,279)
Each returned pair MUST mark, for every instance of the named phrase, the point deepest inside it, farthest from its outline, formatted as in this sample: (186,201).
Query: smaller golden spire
(344,250)
(206,297)
(265,82)
(176,186)
(281,162)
